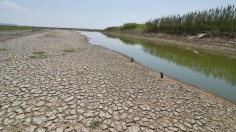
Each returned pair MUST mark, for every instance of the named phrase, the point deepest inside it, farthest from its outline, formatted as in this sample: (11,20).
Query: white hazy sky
(97,14)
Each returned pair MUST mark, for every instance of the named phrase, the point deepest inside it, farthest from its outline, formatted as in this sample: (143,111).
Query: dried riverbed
(56,81)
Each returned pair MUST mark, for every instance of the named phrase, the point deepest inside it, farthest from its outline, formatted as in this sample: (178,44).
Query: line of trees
(215,22)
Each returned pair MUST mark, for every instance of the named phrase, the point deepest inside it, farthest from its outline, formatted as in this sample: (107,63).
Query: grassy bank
(217,22)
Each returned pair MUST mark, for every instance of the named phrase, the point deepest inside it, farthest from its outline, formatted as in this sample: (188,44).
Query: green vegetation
(69,50)
(51,34)
(220,22)
(16,28)
(95,124)
(39,55)
(3,49)
(128,26)
(132,26)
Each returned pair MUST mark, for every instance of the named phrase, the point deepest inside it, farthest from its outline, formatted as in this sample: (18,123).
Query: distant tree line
(215,22)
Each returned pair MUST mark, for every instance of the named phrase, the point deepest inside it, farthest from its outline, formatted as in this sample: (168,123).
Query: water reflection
(212,73)
(198,61)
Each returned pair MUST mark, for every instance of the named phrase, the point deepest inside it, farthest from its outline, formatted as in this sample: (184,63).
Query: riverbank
(217,46)
(213,73)
(70,84)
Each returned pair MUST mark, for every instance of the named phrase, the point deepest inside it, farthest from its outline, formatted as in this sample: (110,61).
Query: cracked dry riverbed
(91,88)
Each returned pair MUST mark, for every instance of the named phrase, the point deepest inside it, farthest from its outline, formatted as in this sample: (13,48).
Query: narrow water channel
(212,73)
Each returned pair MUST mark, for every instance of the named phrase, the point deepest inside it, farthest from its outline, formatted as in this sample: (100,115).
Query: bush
(129,26)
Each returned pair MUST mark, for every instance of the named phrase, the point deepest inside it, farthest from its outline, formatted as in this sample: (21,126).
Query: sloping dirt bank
(218,46)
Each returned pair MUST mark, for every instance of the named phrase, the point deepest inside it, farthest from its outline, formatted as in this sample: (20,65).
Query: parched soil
(11,34)
(71,85)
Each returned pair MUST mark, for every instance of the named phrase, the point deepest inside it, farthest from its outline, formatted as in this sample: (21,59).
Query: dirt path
(57,81)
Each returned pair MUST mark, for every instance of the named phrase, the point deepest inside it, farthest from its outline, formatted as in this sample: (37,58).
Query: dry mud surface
(11,34)
(92,88)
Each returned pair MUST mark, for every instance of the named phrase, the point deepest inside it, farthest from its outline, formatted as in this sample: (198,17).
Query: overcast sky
(97,14)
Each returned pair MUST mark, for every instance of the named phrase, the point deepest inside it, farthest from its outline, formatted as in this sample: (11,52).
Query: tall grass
(215,22)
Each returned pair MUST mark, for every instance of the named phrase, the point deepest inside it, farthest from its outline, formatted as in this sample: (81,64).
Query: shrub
(95,124)
(69,50)
(39,55)
(3,49)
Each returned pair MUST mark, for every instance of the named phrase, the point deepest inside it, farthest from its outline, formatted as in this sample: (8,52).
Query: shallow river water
(211,73)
